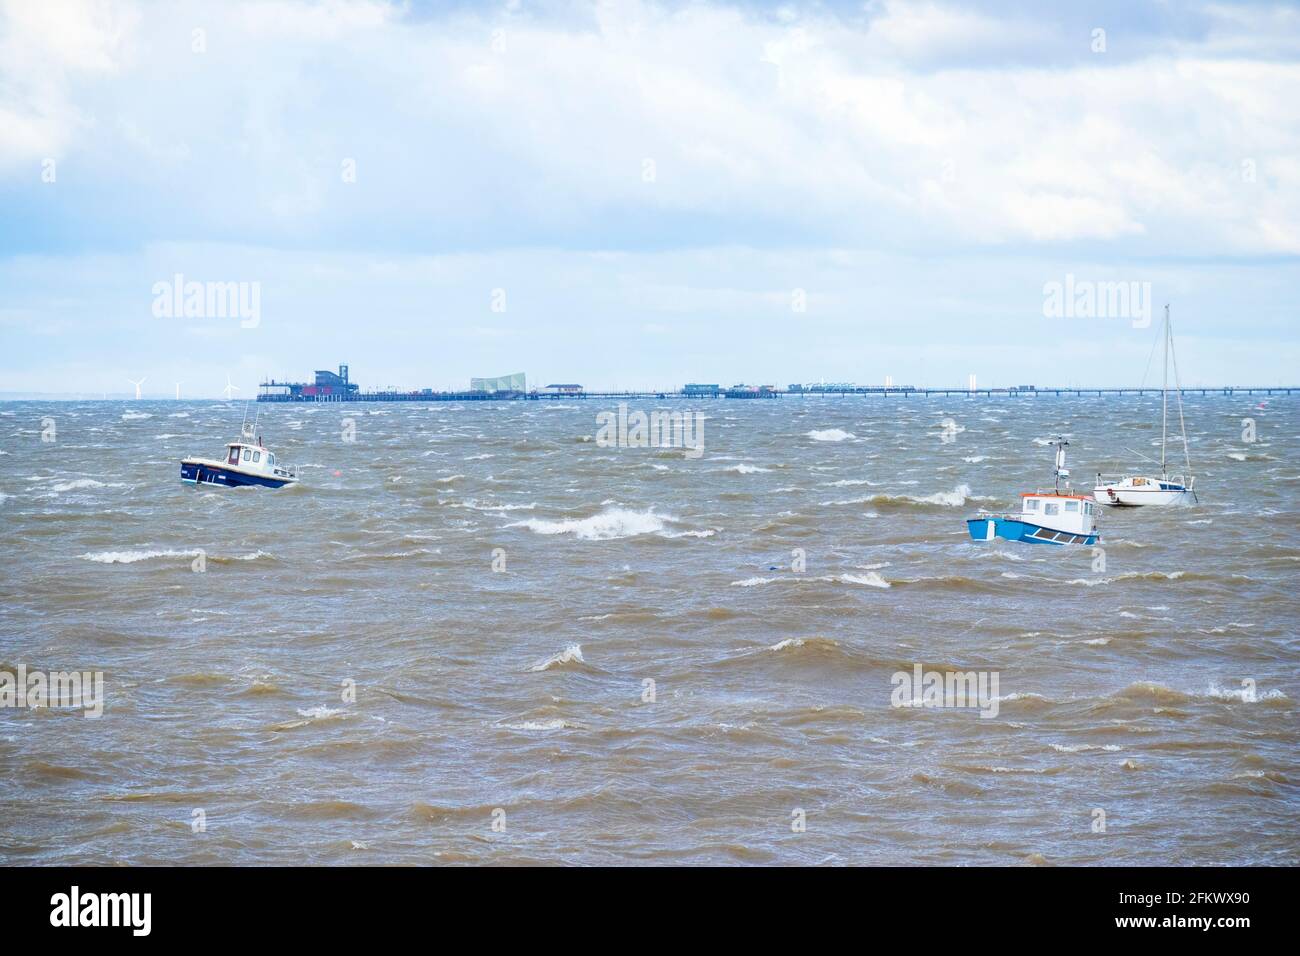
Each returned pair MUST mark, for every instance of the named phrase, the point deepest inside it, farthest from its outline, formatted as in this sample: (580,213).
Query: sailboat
(1135,490)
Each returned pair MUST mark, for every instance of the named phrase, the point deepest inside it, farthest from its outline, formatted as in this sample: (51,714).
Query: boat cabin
(250,457)
(1061,518)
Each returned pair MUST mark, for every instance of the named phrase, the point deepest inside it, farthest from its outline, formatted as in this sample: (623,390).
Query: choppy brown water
(522,690)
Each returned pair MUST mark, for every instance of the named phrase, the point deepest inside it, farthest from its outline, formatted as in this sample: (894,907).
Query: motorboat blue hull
(206,474)
(1013,529)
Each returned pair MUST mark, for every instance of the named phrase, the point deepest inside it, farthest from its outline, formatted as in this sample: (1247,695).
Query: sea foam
(608,524)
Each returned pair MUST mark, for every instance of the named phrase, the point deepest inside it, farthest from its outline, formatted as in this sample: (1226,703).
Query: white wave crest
(609,524)
(80,483)
(570,655)
(130,557)
(1246,696)
(318,713)
(870,579)
(557,724)
(949,499)
(829,434)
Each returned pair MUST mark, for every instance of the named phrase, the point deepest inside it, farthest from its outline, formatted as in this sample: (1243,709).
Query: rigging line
(1178,386)
(1147,371)
(1142,456)
(1164,397)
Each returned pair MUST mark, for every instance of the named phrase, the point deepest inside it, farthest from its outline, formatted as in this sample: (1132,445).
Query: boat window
(1072,506)
(1031,504)
(247,454)
(257,456)
(1051,508)
(234,455)
(270,459)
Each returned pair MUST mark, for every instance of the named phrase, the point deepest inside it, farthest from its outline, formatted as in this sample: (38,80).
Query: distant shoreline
(1081,391)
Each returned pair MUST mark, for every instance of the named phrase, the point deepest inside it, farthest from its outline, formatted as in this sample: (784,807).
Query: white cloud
(821,129)
(921,33)
(872,158)
(47,51)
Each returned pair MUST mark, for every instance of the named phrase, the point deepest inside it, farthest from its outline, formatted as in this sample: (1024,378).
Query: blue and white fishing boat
(247,462)
(1046,517)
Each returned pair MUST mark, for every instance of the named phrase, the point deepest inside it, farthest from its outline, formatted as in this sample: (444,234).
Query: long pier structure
(335,387)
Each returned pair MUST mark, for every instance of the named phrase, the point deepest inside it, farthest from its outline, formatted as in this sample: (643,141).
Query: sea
(484,633)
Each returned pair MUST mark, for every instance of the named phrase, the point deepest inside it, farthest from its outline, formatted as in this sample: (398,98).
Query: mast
(1178,393)
(1061,471)
(1164,396)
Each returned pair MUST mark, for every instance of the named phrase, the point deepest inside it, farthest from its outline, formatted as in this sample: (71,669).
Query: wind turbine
(137,387)
(178,390)
(229,387)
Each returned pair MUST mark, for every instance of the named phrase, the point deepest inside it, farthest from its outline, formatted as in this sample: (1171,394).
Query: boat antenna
(1061,471)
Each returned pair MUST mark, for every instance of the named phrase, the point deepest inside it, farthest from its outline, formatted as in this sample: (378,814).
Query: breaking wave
(829,434)
(557,723)
(79,483)
(870,579)
(609,524)
(940,499)
(569,656)
(131,557)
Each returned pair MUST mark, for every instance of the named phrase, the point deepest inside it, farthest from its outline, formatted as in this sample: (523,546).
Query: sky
(643,194)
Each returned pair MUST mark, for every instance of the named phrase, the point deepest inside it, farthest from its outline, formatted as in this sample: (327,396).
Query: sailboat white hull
(1136,492)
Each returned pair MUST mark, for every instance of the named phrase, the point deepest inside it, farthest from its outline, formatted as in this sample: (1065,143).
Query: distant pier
(540,395)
